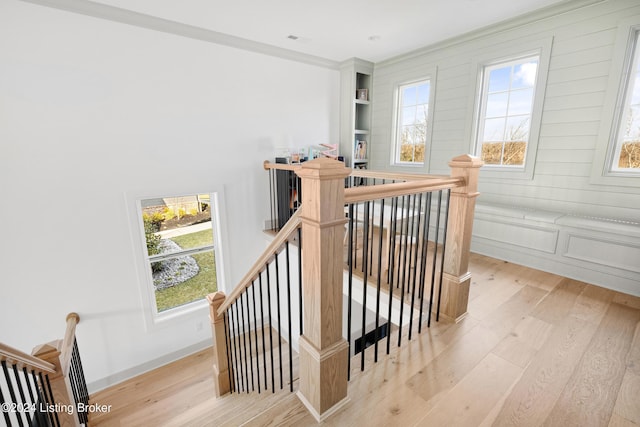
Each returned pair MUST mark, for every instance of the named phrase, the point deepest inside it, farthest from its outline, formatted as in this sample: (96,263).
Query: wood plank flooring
(535,349)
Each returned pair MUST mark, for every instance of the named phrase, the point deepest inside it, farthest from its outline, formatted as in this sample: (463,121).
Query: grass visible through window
(198,286)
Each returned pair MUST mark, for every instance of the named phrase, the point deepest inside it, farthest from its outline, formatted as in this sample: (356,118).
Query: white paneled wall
(584,42)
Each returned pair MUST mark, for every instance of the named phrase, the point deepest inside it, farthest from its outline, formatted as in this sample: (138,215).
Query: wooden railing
(323,351)
(232,315)
(46,388)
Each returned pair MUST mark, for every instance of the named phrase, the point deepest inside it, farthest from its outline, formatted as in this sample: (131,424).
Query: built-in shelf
(355,143)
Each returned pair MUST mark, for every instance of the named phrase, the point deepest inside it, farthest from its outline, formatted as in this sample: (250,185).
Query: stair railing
(323,351)
(46,388)
(251,321)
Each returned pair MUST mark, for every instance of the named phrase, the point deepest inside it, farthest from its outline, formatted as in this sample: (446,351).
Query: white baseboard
(121,376)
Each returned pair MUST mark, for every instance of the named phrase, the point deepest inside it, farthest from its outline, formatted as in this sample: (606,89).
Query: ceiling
(337,30)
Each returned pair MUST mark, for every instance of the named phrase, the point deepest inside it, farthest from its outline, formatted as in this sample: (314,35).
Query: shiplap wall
(584,43)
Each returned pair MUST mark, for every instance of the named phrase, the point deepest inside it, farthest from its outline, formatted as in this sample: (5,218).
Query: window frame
(153,318)
(397,116)
(482,118)
(603,170)
(512,52)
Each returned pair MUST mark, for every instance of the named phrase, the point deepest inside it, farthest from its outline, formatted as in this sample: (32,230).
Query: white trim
(601,170)
(123,16)
(431,77)
(127,374)
(152,318)
(540,48)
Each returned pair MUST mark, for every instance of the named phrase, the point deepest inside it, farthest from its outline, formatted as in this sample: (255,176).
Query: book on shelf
(360,150)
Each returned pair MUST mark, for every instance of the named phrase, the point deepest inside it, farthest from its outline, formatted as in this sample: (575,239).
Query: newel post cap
(216,298)
(323,168)
(466,161)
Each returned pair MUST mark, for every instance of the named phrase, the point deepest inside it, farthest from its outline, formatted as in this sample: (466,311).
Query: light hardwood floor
(535,349)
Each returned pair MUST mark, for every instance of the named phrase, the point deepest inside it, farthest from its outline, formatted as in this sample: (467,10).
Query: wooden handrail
(13,355)
(66,350)
(281,166)
(284,233)
(361,173)
(374,192)
(375,174)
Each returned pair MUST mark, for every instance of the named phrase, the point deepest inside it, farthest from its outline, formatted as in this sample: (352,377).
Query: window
(626,153)
(412,122)
(506,108)
(179,248)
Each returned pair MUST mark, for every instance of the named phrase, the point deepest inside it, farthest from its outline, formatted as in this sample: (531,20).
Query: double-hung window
(504,123)
(412,119)
(625,157)
(180,241)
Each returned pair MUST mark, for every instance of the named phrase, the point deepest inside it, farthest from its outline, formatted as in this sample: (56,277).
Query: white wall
(574,129)
(93,111)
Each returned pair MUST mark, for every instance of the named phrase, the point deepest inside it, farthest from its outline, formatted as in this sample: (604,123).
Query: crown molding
(128,17)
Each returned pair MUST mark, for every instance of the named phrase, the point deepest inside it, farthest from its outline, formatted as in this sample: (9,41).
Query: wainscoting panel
(600,251)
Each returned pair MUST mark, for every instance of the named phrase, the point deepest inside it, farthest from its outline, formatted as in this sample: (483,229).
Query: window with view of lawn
(506,105)
(180,248)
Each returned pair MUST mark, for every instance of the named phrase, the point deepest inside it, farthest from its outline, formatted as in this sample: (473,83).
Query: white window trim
(602,172)
(540,48)
(395,126)
(154,319)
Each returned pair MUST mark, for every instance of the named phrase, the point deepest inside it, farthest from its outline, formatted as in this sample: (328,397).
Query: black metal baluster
(84,392)
(247,355)
(279,323)
(264,342)
(365,276)
(379,278)
(230,348)
(423,258)
(228,344)
(28,379)
(271,199)
(300,277)
(23,399)
(82,415)
(286,245)
(43,398)
(236,359)
(444,246)
(405,204)
(5,413)
(2,399)
(392,257)
(416,237)
(273,381)
(435,255)
(73,381)
(370,238)
(51,399)
(355,258)
(255,333)
(350,287)
(12,393)
(243,378)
